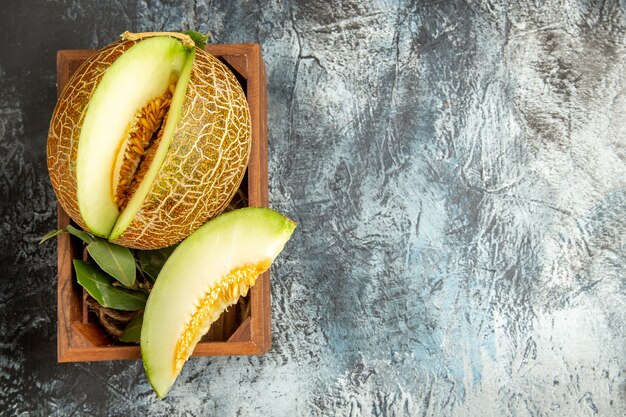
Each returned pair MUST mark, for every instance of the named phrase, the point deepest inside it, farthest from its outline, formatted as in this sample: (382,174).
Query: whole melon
(149,139)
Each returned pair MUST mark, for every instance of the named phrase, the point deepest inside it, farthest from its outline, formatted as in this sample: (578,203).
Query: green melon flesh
(141,74)
(230,241)
(134,204)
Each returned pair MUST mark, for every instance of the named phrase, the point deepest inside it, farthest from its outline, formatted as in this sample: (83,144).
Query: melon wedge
(206,274)
(143,72)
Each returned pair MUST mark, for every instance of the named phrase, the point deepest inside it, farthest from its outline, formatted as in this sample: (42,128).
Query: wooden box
(80,338)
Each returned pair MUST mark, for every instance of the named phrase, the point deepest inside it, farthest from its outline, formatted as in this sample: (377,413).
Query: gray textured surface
(458,173)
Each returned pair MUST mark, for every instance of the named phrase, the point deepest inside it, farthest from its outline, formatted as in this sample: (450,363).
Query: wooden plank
(78,339)
(109,353)
(243,333)
(258,190)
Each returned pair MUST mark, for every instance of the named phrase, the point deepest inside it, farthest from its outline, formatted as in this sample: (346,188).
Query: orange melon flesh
(206,274)
(142,73)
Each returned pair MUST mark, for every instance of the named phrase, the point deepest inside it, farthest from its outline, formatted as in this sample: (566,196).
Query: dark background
(457,170)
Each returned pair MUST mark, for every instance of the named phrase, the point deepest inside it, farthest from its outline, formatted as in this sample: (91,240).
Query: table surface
(457,171)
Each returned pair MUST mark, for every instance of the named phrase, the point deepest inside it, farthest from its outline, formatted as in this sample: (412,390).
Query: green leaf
(82,235)
(132,332)
(100,286)
(115,260)
(52,234)
(151,261)
(198,38)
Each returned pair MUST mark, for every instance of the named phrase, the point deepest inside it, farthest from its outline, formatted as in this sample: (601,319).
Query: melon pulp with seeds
(207,272)
(149,139)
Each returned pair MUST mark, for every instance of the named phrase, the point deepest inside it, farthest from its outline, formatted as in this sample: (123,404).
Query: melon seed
(150,119)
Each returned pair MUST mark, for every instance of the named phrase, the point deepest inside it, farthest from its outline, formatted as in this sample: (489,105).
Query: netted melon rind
(205,162)
(204,165)
(66,124)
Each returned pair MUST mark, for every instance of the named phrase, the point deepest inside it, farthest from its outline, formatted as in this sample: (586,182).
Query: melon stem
(185,39)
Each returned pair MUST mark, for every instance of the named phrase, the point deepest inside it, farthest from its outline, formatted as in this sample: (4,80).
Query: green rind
(197,265)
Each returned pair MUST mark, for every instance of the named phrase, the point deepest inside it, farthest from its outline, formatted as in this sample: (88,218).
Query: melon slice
(140,75)
(206,274)
(151,170)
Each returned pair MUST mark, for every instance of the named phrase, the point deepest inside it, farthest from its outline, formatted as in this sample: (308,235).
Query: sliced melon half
(208,272)
(141,75)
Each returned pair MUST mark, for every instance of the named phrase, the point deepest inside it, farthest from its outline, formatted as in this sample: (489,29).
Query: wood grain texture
(81,340)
